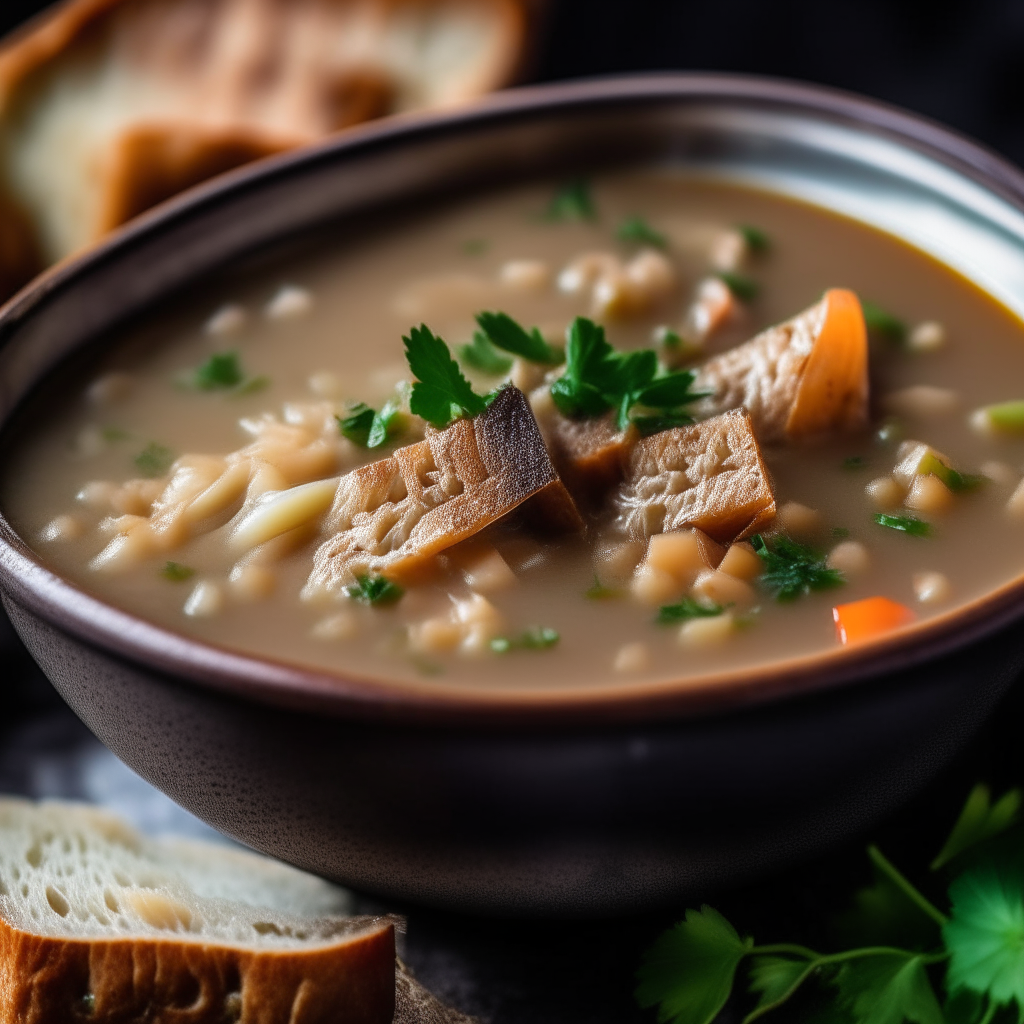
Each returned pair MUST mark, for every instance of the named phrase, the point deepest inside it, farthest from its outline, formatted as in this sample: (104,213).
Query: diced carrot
(833,390)
(862,620)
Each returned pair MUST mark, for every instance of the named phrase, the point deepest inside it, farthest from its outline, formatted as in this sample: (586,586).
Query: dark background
(960,63)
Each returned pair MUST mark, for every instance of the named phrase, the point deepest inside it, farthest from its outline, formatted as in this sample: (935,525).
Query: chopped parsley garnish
(905,524)
(882,323)
(440,393)
(367,427)
(483,356)
(597,378)
(154,460)
(667,337)
(687,608)
(375,590)
(855,462)
(636,229)
(792,570)
(756,239)
(572,201)
(536,638)
(474,247)
(744,288)
(597,591)
(502,331)
(223,372)
(176,572)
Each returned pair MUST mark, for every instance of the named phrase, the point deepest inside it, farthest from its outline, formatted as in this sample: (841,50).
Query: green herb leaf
(483,356)
(985,933)
(667,337)
(775,978)
(251,385)
(176,572)
(879,321)
(572,201)
(440,393)
(688,972)
(374,590)
(154,460)
(888,989)
(368,428)
(536,638)
(221,370)
(597,591)
(979,820)
(905,524)
(648,425)
(636,229)
(501,330)
(756,239)
(744,288)
(791,569)
(687,608)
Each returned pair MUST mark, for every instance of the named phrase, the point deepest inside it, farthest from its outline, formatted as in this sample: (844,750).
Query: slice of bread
(99,923)
(110,106)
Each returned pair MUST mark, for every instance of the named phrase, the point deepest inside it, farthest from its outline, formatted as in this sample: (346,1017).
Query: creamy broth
(324,328)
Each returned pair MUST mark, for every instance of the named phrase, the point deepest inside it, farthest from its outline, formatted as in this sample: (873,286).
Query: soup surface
(201,476)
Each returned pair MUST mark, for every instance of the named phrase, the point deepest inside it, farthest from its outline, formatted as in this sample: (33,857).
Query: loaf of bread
(110,106)
(99,923)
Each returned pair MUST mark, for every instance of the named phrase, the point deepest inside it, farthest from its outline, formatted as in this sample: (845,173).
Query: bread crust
(46,979)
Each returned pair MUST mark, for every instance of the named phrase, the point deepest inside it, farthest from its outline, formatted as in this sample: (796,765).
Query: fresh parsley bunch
(975,948)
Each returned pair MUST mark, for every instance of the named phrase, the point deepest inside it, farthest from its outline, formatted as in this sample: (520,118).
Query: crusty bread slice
(98,922)
(110,106)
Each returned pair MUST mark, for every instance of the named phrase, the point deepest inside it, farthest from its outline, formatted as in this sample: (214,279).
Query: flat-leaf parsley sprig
(792,570)
(440,393)
(977,945)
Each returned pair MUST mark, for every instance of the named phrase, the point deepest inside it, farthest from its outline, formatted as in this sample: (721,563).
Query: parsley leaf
(985,933)
(687,608)
(636,229)
(483,356)
(176,572)
(440,393)
(905,524)
(756,239)
(744,288)
(154,460)
(979,820)
(375,590)
(884,324)
(888,989)
(536,638)
(572,201)
(221,370)
(369,428)
(791,569)
(689,970)
(501,330)
(776,978)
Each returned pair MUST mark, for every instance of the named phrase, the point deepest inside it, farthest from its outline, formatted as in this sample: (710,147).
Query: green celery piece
(756,239)
(573,201)
(636,229)
(791,569)
(154,460)
(954,480)
(688,972)
(175,572)
(905,524)
(502,331)
(985,932)
(1007,416)
(483,356)
(440,393)
(744,288)
(221,371)
(687,608)
(888,989)
(374,590)
(879,321)
(979,820)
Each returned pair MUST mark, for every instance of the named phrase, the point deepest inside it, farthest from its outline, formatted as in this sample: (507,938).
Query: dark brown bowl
(600,800)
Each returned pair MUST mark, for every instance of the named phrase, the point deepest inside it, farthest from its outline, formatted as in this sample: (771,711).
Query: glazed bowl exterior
(546,802)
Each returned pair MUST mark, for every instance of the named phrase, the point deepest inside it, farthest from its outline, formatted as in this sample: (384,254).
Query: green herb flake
(597,591)
(670,339)
(882,323)
(855,462)
(374,590)
(481,355)
(175,572)
(503,332)
(905,524)
(154,460)
(367,427)
(636,229)
(536,638)
(792,570)
(687,608)
(756,239)
(221,371)
(251,385)
(573,201)
(979,821)
(743,288)
(440,394)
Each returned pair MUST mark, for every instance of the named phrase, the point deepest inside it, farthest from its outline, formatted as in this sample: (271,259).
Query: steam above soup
(645,428)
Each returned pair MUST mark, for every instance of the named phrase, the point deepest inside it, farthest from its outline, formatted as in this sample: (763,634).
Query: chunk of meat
(710,476)
(589,454)
(806,376)
(394,515)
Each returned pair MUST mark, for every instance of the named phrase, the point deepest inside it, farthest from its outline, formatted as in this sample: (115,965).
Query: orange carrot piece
(862,620)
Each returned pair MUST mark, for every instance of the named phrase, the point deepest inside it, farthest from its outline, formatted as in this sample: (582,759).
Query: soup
(641,428)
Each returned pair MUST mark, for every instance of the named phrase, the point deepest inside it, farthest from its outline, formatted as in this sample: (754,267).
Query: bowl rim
(30,584)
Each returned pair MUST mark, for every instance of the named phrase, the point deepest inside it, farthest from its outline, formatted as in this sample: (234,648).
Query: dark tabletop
(959,62)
